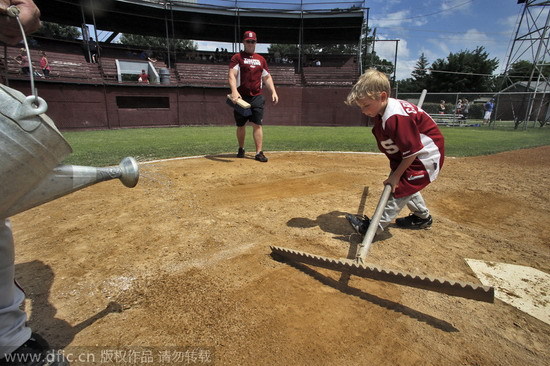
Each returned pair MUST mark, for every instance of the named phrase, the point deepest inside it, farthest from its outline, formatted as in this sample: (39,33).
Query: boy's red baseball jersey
(406,130)
(251,69)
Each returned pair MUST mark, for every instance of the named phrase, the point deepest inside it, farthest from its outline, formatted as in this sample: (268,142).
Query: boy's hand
(29,17)
(393,182)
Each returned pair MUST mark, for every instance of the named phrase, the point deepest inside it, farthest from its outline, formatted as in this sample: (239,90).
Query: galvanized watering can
(31,149)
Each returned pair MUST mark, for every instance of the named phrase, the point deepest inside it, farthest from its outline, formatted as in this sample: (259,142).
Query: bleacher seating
(69,64)
(285,75)
(330,76)
(213,74)
(109,71)
(64,65)
(202,74)
(345,75)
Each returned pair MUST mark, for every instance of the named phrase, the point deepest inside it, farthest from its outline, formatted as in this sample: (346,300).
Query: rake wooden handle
(363,248)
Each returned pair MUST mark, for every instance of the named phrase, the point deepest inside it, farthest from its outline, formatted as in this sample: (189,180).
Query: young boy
(412,142)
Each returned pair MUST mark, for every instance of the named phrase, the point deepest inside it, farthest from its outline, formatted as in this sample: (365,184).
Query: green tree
(408,85)
(370,58)
(464,71)
(420,72)
(420,77)
(521,71)
(283,49)
(157,42)
(58,31)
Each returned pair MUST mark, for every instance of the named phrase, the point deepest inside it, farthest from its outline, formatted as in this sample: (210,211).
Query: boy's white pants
(13,329)
(415,203)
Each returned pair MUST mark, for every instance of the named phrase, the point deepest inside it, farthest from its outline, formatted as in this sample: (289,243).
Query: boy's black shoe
(35,352)
(414,222)
(261,157)
(240,153)
(360,224)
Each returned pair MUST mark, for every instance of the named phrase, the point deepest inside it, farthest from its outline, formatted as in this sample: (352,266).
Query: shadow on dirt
(334,222)
(341,285)
(36,278)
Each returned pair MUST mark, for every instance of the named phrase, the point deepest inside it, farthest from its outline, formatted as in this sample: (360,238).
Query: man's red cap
(249,35)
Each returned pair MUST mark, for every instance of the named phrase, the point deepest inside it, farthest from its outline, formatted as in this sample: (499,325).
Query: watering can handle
(11,11)
(26,112)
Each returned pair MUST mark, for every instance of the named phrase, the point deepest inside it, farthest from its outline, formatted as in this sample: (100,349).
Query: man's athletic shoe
(240,153)
(360,224)
(261,157)
(36,351)
(414,222)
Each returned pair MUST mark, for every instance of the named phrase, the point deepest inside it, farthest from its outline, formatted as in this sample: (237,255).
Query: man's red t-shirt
(251,69)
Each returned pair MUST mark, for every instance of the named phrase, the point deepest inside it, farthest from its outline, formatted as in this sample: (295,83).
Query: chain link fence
(514,110)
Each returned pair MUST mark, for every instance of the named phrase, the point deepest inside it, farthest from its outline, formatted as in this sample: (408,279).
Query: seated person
(143,77)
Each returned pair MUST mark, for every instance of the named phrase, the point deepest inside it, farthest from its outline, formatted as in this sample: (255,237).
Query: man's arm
(268,81)
(29,17)
(233,85)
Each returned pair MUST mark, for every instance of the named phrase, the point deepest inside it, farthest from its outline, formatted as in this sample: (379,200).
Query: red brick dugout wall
(88,106)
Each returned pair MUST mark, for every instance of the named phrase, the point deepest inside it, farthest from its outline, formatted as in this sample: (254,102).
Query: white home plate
(526,288)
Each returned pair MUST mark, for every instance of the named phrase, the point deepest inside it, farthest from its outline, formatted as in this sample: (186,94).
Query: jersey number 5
(389,146)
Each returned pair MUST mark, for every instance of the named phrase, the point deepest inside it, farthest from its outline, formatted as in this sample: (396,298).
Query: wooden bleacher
(65,66)
(202,74)
(68,64)
(344,75)
(215,74)
(108,68)
(285,75)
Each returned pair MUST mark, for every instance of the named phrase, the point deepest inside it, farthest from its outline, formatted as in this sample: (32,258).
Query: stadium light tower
(531,44)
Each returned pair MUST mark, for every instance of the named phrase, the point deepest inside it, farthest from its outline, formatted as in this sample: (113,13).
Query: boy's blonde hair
(371,84)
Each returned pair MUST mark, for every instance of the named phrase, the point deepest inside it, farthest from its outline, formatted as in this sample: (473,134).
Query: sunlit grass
(107,147)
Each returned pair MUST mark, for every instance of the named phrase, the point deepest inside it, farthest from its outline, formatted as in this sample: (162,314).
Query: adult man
(488,108)
(18,345)
(248,71)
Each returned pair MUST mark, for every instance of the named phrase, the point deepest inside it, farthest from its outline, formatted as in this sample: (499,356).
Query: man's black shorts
(257,106)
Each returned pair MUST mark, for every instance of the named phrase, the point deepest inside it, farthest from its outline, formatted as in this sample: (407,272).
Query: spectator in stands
(44,64)
(16,339)
(465,108)
(143,77)
(23,62)
(412,142)
(458,108)
(488,108)
(277,57)
(442,107)
(93,50)
(248,71)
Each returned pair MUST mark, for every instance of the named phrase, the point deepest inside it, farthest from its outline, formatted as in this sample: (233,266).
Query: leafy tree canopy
(157,42)
(370,59)
(463,72)
(58,31)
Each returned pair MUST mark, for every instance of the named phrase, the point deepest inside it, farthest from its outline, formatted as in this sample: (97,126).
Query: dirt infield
(182,261)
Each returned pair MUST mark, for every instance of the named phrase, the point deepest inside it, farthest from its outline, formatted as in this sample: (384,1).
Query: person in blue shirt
(488,108)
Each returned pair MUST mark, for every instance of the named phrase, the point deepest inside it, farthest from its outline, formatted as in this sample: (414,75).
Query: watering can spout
(65,179)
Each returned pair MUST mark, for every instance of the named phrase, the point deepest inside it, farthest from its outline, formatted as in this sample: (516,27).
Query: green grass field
(107,147)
